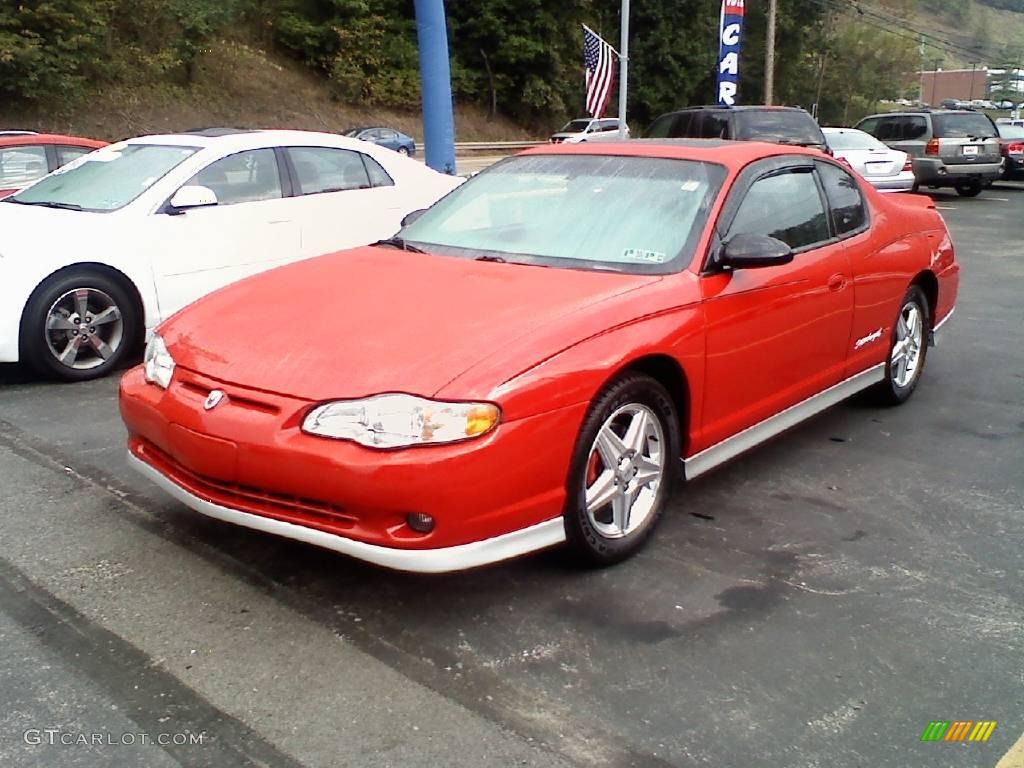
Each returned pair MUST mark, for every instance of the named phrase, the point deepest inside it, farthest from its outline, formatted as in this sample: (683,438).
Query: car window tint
(245,177)
(845,202)
(786,206)
(963,125)
(672,126)
(785,125)
(22,165)
(714,125)
(889,129)
(914,127)
(66,154)
(323,169)
(870,125)
(378,176)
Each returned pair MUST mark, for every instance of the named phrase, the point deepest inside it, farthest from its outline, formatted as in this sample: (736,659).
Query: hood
(37,232)
(374,320)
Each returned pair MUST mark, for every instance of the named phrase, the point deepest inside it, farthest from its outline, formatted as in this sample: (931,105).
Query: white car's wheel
(79,325)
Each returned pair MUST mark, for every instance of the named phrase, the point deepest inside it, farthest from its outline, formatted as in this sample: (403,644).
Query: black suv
(778,125)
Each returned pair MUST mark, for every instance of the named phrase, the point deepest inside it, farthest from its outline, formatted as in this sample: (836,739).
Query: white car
(588,129)
(887,170)
(95,255)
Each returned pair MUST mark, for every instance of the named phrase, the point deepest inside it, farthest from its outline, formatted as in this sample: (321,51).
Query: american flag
(599,59)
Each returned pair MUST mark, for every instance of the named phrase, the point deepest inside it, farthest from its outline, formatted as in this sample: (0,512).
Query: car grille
(245,498)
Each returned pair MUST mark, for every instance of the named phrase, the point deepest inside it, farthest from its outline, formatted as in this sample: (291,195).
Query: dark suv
(949,148)
(779,125)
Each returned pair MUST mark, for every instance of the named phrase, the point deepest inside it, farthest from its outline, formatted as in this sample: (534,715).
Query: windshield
(1011,132)
(852,139)
(626,214)
(962,126)
(575,126)
(106,179)
(780,125)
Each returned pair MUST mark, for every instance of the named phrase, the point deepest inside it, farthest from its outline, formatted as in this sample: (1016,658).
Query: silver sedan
(887,170)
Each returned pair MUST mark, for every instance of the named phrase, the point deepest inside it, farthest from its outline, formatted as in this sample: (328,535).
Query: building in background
(960,84)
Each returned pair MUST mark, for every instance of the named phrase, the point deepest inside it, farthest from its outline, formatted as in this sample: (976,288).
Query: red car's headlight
(398,420)
(158,363)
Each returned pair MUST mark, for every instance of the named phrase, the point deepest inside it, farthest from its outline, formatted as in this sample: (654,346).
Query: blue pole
(435,75)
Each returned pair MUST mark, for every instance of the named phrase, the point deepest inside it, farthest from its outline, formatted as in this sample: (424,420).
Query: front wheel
(79,325)
(908,348)
(622,471)
(969,190)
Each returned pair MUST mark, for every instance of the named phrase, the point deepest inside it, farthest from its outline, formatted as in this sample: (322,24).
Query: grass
(240,86)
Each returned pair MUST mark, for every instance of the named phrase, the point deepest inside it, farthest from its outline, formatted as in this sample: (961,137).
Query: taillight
(1017,148)
(909,165)
(932,148)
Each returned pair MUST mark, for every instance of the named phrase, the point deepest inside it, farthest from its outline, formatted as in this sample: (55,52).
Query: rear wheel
(79,325)
(908,349)
(970,189)
(623,468)
(403,151)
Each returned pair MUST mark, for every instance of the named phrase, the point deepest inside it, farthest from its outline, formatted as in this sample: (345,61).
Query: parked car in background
(952,104)
(949,148)
(538,358)
(26,156)
(587,129)
(106,247)
(385,137)
(887,170)
(779,125)
(1011,144)
(1005,104)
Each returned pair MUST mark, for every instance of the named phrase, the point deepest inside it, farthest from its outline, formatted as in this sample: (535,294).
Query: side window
(889,129)
(786,206)
(609,125)
(22,165)
(661,128)
(870,125)
(323,169)
(715,125)
(66,154)
(386,134)
(378,176)
(844,199)
(245,177)
(915,128)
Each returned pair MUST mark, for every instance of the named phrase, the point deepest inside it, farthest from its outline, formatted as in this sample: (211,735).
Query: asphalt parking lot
(815,603)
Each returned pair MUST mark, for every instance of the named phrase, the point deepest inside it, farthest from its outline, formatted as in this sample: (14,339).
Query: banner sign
(730,32)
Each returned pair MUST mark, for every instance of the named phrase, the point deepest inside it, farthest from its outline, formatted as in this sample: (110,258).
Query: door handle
(280,221)
(837,282)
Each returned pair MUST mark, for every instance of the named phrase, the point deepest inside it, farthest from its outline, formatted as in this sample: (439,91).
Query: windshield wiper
(486,257)
(46,204)
(397,242)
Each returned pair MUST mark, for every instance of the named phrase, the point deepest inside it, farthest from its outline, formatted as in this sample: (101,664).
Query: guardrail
(495,146)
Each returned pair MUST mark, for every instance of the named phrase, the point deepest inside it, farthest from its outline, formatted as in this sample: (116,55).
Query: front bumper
(248,462)
(933,172)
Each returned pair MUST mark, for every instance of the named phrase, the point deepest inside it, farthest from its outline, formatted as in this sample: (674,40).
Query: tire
(610,532)
(969,190)
(404,151)
(52,325)
(916,187)
(898,387)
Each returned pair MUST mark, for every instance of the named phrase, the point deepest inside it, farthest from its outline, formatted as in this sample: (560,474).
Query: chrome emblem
(214,399)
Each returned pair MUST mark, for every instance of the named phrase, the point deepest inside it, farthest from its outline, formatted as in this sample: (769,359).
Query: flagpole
(623,67)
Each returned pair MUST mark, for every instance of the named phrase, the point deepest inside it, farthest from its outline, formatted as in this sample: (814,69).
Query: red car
(538,356)
(26,156)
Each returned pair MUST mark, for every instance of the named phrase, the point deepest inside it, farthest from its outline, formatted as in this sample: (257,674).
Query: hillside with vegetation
(116,67)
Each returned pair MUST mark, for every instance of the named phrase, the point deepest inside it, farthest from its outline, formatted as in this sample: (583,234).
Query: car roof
(733,154)
(23,139)
(240,139)
(739,108)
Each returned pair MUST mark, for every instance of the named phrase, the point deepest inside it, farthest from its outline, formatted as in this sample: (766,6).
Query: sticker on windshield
(643,254)
(690,186)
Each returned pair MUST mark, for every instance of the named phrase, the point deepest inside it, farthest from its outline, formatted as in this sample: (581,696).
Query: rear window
(1011,132)
(962,126)
(778,125)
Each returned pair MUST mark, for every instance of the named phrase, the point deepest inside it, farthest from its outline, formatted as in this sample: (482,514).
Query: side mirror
(193,197)
(409,218)
(752,251)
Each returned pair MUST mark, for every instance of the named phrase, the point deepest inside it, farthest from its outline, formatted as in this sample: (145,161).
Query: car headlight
(394,421)
(158,363)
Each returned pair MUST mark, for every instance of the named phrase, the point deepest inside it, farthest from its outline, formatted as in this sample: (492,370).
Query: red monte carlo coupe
(538,357)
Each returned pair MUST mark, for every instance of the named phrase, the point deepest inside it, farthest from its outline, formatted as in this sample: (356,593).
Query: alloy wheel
(906,351)
(84,328)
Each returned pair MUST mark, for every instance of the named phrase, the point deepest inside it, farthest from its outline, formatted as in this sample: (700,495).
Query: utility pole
(623,67)
(769,54)
(435,75)
(974,65)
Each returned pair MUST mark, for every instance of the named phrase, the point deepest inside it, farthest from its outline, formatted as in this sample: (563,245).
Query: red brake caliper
(593,465)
